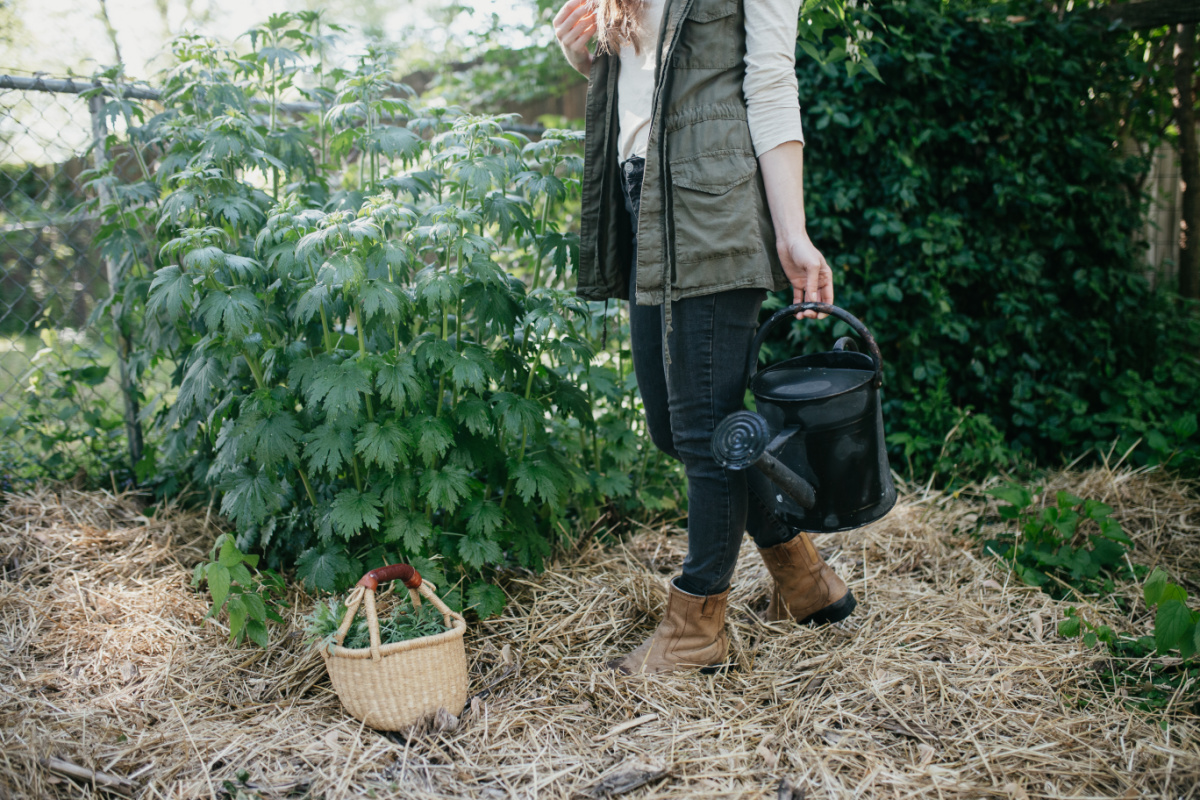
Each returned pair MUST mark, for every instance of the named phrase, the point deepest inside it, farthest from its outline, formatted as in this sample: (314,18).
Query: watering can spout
(743,440)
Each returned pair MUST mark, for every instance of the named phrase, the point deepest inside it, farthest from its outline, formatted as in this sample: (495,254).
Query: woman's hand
(806,268)
(783,175)
(574,25)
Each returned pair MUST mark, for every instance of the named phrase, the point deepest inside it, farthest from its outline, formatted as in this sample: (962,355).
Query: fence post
(133,426)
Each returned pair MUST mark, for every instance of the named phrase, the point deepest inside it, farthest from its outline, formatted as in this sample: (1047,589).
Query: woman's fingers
(578,36)
(567,26)
(820,283)
(567,8)
(573,26)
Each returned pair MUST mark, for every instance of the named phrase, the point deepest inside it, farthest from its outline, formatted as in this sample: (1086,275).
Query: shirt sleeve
(771,89)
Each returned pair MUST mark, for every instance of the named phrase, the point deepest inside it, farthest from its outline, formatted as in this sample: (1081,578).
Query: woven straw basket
(393,686)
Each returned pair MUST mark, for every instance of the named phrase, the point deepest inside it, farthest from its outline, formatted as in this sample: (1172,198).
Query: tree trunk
(1189,158)
(1151,13)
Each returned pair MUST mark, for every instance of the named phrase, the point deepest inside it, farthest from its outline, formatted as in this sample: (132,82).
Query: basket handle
(406,573)
(365,590)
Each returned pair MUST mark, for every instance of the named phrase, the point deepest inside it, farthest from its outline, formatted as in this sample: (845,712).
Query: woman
(693,209)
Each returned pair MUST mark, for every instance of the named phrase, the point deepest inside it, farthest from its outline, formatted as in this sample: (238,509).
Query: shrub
(377,353)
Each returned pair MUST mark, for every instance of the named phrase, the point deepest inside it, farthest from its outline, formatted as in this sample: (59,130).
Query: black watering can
(818,434)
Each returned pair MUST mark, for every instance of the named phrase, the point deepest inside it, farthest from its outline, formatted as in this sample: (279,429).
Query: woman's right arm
(574,25)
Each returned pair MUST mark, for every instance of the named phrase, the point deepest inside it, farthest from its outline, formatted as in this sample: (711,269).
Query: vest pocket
(716,208)
(715,172)
(712,36)
(708,10)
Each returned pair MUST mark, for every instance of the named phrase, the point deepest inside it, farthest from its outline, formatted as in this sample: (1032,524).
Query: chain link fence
(62,407)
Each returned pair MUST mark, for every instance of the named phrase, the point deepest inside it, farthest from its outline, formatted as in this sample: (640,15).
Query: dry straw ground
(949,682)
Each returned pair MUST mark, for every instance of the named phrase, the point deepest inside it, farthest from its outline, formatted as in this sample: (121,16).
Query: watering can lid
(817,376)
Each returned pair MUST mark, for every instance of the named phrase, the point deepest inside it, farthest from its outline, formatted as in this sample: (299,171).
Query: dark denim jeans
(710,342)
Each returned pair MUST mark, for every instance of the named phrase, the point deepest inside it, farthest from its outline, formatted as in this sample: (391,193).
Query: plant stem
(326,330)
(312,497)
(255,369)
(537,264)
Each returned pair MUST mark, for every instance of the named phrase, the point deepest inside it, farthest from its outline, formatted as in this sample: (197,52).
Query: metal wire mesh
(59,394)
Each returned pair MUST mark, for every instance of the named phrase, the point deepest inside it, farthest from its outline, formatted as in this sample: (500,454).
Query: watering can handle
(821,308)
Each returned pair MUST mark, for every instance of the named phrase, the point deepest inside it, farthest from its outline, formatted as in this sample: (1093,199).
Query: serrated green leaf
(353,511)
(399,383)
(445,488)
(229,556)
(1155,585)
(242,267)
(533,479)
(310,303)
(1069,627)
(171,291)
(380,297)
(474,414)
(385,445)
(255,606)
(237,617)
(614,484)
(401,492)
(1018,496)
(1112,529)
(1187,642)
(249,499)
(1067,500)
(434,438)
(477,552)
(319,568)
(468,374)
(339,388)
(342,269)
(484,518)
(240,575)
(487,599)
(1171,622)
(518,414)
(431,571)
(273,439)
(233,312)
(218,584)
(409,528)
(328,447)
(257,632)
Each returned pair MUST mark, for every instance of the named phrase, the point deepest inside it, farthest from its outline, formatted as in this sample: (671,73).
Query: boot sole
(834,612)
(719,668)
(709,670)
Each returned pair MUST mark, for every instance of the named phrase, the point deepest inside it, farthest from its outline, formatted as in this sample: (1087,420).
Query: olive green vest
(704,225)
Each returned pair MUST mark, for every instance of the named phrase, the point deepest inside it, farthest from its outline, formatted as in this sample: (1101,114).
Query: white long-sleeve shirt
(770,86)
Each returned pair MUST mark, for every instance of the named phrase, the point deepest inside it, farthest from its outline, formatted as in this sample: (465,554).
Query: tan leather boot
(805,587)
(691,635)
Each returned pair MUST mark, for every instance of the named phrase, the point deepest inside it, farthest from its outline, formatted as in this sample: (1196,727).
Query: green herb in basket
(404,623)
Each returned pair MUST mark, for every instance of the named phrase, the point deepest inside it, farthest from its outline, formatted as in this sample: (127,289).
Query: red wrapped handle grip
(392,572)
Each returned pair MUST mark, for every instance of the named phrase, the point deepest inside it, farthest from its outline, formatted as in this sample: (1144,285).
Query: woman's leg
(706,381)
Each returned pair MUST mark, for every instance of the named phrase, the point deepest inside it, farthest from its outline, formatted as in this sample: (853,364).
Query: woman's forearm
(782,169)
(783,175)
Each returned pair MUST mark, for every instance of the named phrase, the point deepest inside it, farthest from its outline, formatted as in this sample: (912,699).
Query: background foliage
(980,221)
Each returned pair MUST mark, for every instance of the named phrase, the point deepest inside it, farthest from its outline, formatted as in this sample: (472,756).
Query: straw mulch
(949,682)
